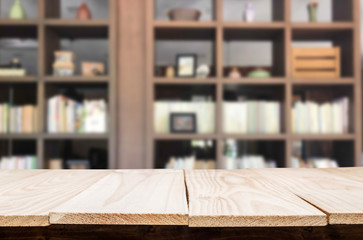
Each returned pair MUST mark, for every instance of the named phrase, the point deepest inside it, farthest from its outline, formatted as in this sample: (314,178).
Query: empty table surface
(198,198)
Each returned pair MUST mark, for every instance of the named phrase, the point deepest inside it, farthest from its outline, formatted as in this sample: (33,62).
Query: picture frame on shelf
(186,65)
(183,123)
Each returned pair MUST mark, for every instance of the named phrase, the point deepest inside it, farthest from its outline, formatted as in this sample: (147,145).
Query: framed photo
(183,123)
(78,164)
(186,65)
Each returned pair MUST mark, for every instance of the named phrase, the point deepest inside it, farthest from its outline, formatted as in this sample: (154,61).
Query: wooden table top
(195,198)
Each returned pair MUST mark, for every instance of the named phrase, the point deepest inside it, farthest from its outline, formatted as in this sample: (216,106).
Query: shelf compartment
(21,42)
(266,151)
(203,151)
(78,40)
(78,93)
(265,11)
(67,9)
(338,149)
(328,11)
(93,151)
(251,105)
(252,42)
(206,7)
(170,42)
(322,94)
(327,37)
(185,98)
(30,6)
(16,151)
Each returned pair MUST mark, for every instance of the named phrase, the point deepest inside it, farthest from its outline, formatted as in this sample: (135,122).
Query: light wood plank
(10,176)
(221,198)
(26,201)
(353,173)
(339,197)
(139,197)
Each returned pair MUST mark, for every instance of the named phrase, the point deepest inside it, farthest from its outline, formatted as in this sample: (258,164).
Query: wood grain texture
(125,197)
(26,201)
(339,196)
(220,198)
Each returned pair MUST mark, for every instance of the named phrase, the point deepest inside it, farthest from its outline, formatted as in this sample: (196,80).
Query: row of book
(314,163)
(18,163)
(189,162)
(248,161)
(66,115)
(329,117)
(205,115)
(18,119)
(252,117)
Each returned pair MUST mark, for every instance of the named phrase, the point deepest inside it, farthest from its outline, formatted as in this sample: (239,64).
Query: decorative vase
(83,12)
(249,13)
(313,11)
(234,73)
(17,11)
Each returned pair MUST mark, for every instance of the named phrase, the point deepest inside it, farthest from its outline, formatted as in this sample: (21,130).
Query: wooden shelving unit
(48,29)
(343,31)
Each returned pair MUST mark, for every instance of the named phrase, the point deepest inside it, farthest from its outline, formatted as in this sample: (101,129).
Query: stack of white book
(330,117)
(68,116)
(189,163)
(314,163)
(248,161)
(205,115)
(252,117)
(18,162)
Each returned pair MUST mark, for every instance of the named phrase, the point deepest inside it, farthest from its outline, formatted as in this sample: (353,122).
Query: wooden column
(131,89)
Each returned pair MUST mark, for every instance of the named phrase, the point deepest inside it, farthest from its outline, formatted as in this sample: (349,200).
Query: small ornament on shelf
(249,12)
(313,11)
(203,71)
(234,73)
(17,11)
(64,63)
(92,69)
(13,69)
(83,12)
(259,73)
(170,72)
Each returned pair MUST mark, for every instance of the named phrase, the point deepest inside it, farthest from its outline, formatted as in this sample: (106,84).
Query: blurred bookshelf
(219,39)
(52,26)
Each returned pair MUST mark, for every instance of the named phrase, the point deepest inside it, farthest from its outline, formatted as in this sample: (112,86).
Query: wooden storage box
(316,62)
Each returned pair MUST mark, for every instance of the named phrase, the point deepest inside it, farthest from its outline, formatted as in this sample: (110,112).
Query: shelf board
(255,25)
(161,80)
(189,136)
(86,136)
(8,136)
(257,81)
(317,81)
(76,79)
(184,24)
(327,137)
(323,25)
(24,79)
(19,22)
(76,23)
(257,136)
